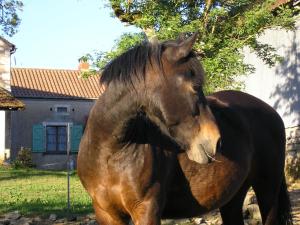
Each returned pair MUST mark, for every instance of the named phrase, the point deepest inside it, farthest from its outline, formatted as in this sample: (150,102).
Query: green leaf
(225,27)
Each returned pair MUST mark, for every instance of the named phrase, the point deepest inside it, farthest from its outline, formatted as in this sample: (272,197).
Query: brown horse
(151,148)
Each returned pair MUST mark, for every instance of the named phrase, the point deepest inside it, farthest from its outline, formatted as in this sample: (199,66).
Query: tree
(225,27)
(9,18)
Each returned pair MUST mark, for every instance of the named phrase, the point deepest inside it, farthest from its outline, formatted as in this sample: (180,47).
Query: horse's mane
(132,64)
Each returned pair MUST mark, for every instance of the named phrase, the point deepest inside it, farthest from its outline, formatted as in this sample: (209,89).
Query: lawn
(37,192)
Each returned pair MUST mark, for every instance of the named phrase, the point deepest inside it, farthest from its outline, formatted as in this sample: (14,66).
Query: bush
(24,159)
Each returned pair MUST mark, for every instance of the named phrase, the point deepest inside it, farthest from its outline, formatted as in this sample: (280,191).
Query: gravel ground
(213,218)
(295,199)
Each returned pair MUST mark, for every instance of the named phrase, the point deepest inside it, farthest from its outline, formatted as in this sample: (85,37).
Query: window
(51,137)
(62,109)
(56,138)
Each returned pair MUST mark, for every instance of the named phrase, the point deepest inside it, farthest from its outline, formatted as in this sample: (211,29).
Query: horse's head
(165,80)
(176,88)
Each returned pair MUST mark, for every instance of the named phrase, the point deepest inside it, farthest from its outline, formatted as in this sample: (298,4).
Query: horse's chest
(129,176)
(136,168)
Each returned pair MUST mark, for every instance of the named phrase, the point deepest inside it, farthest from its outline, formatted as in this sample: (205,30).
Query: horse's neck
(123,118)
(114,109)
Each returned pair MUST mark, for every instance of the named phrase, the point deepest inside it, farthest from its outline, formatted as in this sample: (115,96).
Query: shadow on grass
(10,174)
(34,208)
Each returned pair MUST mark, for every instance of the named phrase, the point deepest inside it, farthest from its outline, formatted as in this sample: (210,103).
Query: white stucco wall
(2,135)
(4,83)
(279,86)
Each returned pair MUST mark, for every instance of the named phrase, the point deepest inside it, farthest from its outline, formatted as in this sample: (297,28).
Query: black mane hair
(132,64)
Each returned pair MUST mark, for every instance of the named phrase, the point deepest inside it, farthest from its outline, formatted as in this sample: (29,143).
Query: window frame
(62,106)
(56,124)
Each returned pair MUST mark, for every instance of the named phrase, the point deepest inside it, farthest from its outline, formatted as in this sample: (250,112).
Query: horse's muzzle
(205,152)
(205,144)
(209,154)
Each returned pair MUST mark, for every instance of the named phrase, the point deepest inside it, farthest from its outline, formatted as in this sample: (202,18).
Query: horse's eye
(196,111)
(200,95)
(202,98)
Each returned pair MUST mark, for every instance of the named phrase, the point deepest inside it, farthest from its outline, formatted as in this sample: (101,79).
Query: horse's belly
(198,189)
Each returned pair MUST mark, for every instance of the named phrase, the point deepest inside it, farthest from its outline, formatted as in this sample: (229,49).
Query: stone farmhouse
(8,103)
(54,99)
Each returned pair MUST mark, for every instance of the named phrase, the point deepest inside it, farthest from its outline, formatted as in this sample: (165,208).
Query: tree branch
(208,6)
(123,16)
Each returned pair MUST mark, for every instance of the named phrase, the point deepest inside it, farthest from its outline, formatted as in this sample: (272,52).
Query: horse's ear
(181,37)
(153,40)
(181,49)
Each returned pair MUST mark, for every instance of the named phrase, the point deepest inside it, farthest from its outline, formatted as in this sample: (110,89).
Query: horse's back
(264,125)
(258,115)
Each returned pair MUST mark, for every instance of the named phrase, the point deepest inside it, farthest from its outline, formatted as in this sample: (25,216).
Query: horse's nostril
(219,144)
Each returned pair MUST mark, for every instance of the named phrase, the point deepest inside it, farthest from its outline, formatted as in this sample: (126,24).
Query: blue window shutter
(76,134)
(38,138)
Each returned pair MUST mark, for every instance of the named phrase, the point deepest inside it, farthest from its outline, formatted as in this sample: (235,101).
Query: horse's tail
(284,206)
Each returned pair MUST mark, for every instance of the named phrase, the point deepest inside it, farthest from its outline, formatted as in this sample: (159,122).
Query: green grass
(37,192)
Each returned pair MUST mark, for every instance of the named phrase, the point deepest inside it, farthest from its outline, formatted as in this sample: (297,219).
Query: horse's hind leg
(267,201)
(271,191)
(232,212)
(274,203)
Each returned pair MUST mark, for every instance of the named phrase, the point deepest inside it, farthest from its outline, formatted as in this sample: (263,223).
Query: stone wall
(5,52)
(293,153)
(279,86)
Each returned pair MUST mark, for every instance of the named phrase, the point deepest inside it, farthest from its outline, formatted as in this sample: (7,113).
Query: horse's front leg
(148,211)
(108,217)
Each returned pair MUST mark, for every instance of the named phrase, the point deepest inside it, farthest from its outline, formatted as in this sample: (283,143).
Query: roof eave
(9,102)
(55,98)
(11,108)
(12,46)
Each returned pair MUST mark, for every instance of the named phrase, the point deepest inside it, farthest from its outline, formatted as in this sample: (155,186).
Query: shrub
(24,159)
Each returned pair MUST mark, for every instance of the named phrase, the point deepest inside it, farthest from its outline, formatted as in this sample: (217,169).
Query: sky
(56,33)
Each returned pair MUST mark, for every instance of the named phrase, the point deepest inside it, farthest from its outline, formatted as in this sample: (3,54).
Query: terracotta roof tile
(53,83)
